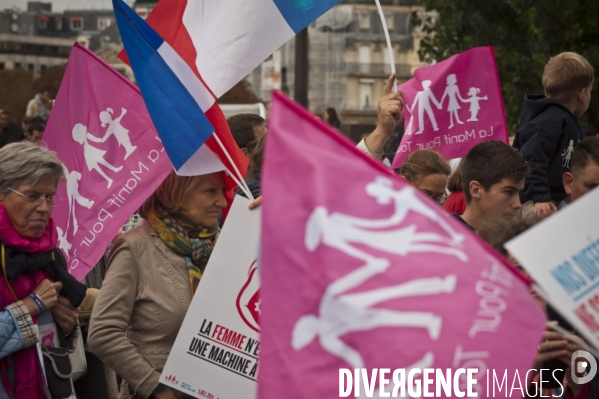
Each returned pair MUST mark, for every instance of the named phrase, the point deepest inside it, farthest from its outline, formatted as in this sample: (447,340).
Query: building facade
(37,38)
(349,61)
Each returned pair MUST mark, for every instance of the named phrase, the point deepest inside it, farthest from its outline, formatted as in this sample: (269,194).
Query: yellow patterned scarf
(194,243)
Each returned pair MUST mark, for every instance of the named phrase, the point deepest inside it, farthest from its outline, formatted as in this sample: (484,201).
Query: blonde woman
(152,275)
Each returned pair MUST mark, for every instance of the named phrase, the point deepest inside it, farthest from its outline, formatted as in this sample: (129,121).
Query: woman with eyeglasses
(428,171)
(35,287)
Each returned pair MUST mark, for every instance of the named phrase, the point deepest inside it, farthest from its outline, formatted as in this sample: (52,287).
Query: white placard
(215,355)
(562,255)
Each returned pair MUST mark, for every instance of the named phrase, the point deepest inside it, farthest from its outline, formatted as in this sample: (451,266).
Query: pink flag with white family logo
(452,106)
(112,156)
(360,270)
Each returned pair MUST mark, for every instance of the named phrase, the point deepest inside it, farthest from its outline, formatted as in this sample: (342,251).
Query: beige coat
(140,309)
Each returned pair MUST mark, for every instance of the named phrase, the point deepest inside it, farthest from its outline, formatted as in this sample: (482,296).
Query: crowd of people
(32,125)
(133,310)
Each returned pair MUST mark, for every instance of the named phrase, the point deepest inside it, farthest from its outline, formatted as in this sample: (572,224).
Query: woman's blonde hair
(423,163)
(170,195)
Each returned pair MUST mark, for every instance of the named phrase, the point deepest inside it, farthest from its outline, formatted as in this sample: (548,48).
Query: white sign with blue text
(562,255)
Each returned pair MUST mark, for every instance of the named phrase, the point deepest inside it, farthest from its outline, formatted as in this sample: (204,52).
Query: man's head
(568,78)
(38,119)
(45,95)
(584,169)
(493,175)
(4,119)
(35,133)
(246,128)
(26,123)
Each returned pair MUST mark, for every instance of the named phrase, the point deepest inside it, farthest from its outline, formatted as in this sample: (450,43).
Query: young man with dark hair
(493,175)
(35,133)
(246,129)
(584,171)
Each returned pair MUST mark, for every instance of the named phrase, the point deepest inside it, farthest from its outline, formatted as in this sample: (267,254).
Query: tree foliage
(524,33)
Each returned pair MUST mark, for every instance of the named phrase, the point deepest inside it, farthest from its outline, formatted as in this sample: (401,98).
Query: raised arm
(95,139)
(438,104)
(357,277)
(389,114)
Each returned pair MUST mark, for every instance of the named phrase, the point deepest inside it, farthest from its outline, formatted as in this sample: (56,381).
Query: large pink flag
(452,106)
(361,270)
(113,158)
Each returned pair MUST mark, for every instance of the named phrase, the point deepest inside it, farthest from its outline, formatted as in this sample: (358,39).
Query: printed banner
(216,351)
(562,256)
(113,158)
(452,106)
(368,272)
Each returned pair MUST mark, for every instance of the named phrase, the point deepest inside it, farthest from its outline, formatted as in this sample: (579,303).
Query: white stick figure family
(94,160)
(94,157)
(423,99)
(342,312)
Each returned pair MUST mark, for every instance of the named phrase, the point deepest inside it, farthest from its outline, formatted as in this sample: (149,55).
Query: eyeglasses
(439,198)
(36,199)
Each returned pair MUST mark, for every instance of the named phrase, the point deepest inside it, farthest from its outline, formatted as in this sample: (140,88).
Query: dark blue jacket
(547,136)
(253,185)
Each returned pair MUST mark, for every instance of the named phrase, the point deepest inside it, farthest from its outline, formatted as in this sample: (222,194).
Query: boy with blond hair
(550,130)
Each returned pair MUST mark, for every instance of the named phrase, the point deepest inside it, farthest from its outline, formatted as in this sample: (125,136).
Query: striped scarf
(193,243)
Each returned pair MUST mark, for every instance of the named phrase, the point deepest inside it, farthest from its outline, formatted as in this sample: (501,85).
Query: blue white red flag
(177,100)
(224,40)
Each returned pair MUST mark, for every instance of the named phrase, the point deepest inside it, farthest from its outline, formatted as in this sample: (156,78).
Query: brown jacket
(140,309)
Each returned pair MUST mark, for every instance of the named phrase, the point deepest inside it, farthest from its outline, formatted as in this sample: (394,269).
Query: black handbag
(58,372)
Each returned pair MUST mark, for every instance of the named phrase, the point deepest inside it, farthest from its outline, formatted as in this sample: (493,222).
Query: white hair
(26,162)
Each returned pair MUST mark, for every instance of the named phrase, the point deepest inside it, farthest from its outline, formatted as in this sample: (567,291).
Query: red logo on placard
(172,379)
(248,300)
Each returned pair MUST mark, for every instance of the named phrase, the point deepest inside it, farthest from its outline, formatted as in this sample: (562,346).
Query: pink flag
(361,270)
(452,106)
(113,159)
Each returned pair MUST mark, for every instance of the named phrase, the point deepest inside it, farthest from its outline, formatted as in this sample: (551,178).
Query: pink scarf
(9,236)
(28,376)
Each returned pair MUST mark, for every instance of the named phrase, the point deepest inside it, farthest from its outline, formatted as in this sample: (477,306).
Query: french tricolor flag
(224,40)
(178,102)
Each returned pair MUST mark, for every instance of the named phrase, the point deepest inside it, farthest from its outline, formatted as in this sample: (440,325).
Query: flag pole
(389,47)
(241,182)
(243,188)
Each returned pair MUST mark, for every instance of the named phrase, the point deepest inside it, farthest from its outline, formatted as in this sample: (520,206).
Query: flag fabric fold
(175,98)
(453,105)
(370,273)
(223,41)
(112,155)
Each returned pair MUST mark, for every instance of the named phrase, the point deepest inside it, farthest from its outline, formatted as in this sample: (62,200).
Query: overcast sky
(60,5)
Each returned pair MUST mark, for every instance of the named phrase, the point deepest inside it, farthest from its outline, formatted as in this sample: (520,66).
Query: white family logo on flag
(342,313)
(423,100)
(94,159)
